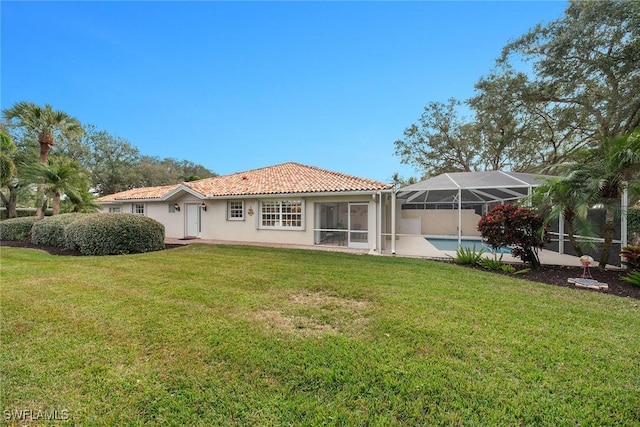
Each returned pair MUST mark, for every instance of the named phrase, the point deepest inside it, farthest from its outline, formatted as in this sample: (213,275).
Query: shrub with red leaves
(516,226)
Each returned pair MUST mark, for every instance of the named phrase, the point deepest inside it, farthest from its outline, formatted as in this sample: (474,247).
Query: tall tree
(518,131)
(561,87)
(45,122)
(441,142)
(48,124)
(586,66)
(113,161)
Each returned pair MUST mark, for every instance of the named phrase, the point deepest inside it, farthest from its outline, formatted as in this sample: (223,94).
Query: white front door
(192,218)
(359,225)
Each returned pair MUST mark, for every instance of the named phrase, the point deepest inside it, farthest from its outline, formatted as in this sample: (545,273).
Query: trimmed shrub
(113,234)
(50,231)
(17,228)
(520,227)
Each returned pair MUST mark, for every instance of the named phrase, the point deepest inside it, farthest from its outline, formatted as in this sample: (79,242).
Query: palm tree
(565,198)
(608,170)
(61,176)
(47,124)
(83,202)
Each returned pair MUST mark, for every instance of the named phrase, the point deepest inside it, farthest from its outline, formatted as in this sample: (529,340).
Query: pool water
(445,244)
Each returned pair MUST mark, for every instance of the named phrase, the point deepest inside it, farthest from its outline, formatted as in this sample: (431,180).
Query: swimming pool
(448,244)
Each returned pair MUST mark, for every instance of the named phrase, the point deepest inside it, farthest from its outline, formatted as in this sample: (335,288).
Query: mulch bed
(550,274)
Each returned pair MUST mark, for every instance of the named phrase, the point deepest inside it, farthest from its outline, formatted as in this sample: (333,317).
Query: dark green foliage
(509,225)
(50,231)
(468,256)
(631,257)
(633,222)
(508,268)
(17,228)
(633,278)
(493,264)
(114,233)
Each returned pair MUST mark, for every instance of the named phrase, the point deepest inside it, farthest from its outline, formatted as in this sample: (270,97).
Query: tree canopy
(560,87)
(85,161)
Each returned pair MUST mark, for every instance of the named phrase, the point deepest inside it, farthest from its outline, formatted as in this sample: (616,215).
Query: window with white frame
(235,210)
(138,208)
(115,209)
(287,214)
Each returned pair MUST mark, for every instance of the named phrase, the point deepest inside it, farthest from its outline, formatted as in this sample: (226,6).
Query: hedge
(114,233)
(50,231)
(17,228)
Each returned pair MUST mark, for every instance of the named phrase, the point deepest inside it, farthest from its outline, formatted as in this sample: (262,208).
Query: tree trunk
(40,201)
(45,147)
(10,203)
(44,153)
(572,238)
(608,238)
(56,203)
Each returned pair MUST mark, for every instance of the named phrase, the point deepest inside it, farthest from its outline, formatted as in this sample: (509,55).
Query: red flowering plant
(515,226)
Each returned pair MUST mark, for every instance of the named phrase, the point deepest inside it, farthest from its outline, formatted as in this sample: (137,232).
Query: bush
(114,233)
(17,228)
(509,225)
(631,257)
(50,231)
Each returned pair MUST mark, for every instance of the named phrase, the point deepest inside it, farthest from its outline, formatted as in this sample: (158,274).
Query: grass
(215,335)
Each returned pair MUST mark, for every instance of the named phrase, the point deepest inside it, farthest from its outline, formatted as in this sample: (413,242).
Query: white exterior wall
(215,225)
(438,222)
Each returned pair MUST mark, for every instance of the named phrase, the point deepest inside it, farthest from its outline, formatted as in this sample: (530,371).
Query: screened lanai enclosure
(450,205)
(446,209)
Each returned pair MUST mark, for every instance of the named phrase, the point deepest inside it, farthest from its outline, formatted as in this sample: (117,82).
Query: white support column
(393,222)
(561,234)
(459,217)
(380,198)
(624,237)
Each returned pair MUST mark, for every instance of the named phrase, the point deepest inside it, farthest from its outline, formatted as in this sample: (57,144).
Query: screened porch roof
(473,187)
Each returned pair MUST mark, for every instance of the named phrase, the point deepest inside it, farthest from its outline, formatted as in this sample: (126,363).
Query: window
(235,210)
(138,208)
(116,209)
(281,214)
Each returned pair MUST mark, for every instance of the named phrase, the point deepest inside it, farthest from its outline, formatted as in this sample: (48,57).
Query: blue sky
(240,85)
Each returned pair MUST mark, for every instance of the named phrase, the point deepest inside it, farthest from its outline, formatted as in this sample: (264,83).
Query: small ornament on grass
(587,281)
(586,261)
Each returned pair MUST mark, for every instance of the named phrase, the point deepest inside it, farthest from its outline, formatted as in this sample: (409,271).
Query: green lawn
(206,335)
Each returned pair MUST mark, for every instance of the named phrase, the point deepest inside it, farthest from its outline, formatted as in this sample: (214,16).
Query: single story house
(286,203)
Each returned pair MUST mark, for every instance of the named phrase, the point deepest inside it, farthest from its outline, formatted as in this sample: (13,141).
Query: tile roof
(139,193)
(286,178)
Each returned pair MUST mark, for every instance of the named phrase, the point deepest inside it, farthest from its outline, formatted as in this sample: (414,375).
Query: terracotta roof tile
(286,178)
(139,193)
